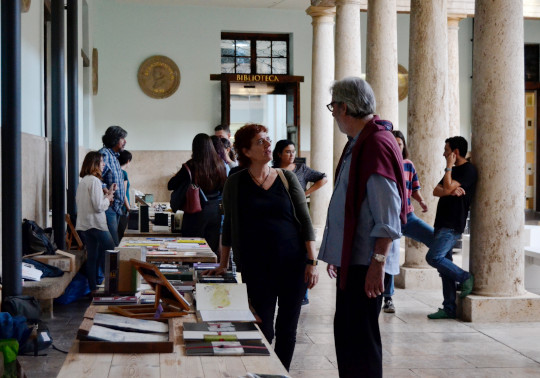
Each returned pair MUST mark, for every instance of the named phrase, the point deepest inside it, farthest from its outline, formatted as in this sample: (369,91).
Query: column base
(418,278)
(476,308)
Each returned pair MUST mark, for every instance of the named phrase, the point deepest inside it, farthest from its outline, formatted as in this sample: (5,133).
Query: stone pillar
(348,56)
(497,256)
(453,75)
(321,119)
(381,57)
(427,124)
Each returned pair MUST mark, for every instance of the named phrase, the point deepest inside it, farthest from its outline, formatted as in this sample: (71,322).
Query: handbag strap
(189,172)
(283,178)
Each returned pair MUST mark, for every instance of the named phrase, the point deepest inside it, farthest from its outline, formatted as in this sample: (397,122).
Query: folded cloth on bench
(48,270)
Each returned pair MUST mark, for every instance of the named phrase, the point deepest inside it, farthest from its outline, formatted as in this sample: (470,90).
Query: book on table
(223,339)
(223,302)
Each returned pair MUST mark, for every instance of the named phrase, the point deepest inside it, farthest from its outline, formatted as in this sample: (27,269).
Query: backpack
(34,239)
(27,307)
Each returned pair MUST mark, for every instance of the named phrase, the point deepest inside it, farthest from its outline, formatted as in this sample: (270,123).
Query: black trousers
(287,288)
(206,224)
(356,327)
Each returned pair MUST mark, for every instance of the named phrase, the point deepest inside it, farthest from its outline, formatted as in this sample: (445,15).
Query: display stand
(169,303)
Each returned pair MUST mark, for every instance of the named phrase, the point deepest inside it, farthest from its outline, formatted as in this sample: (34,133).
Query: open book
(223,302)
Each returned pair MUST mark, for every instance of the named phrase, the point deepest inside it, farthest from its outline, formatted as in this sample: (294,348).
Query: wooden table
(203,254)
(175,364)
(136,233)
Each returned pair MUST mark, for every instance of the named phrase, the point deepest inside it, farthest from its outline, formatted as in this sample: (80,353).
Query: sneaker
(305,301)
(388,307)
(440,314)
(467,286)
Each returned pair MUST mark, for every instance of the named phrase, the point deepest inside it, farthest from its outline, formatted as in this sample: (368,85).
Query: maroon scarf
(375,152)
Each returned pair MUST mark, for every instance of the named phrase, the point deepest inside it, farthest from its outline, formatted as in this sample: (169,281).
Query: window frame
(253,38)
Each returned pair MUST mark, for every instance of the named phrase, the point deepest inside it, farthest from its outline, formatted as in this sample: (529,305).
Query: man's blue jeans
(112,223)
(97,242)
(439,256)
(415,229)
(418,230)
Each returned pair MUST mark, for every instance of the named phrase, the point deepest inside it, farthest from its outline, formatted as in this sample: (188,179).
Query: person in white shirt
(92,200)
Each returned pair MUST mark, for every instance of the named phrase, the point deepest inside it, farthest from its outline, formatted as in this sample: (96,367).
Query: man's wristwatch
(379,258)
(312,262)
(448,169)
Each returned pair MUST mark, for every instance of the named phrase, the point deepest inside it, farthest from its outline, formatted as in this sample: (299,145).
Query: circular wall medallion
(95,76)
(159,76)
(403,82)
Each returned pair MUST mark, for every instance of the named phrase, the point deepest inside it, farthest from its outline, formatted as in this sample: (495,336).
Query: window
(255,53)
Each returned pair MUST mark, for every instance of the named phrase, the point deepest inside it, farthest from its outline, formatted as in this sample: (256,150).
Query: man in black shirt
(455,190)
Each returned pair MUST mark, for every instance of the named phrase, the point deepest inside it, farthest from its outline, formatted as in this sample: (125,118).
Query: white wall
(127,34)
(32,70)
(532,31)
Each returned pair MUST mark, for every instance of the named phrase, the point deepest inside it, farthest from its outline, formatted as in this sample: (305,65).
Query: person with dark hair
(361,236)
(284,155)
(261,201)
(455,192)
(91,221)
(220,150)
(229,153)
(205,169)
(114,142)
(222,131)
(124,159)
(415,228)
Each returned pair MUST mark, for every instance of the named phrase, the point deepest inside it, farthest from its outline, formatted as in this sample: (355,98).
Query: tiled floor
(414,346)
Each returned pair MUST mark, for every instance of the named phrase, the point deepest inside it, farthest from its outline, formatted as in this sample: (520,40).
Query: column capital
(454,19)
(322,14)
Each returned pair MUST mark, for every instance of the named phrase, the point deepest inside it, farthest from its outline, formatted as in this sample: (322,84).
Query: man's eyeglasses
(261,141)
(330,106)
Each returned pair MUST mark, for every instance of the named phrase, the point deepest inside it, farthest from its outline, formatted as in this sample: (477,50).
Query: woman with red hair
(268,226)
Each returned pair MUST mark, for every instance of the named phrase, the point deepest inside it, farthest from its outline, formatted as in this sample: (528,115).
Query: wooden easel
(171,301)
(71,234)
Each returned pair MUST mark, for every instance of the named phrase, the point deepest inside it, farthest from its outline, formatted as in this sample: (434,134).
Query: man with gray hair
(361,237)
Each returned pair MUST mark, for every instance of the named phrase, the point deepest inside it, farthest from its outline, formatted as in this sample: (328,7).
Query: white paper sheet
(184,245)
(244,335)
(227,315)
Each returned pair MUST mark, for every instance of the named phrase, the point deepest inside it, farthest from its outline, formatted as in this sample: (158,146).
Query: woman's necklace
(257,181)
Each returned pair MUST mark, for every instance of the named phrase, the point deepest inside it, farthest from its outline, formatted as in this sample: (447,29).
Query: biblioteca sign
(257,78)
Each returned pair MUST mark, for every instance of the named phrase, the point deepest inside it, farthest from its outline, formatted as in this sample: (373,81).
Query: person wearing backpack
(92,202)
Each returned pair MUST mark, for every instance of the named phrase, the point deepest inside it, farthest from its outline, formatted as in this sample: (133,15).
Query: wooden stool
(72,234)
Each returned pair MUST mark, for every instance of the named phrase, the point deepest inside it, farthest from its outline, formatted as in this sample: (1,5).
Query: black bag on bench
(35,239)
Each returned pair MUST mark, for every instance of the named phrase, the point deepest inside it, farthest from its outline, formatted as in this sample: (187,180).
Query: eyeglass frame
(330,106)
(260,142)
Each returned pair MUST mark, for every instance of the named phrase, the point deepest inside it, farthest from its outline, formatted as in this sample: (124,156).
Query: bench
(49,288)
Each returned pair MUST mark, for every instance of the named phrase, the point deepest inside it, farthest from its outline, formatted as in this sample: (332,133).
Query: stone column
(381,57)
(453,75)
(427,124)
(321,119)
(497,256)
(348,56)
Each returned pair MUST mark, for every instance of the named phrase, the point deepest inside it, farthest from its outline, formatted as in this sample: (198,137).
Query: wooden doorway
(260,85)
